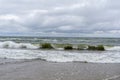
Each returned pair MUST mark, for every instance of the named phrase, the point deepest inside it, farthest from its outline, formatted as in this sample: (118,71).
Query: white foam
(11,44)
(61,56)
(117,48)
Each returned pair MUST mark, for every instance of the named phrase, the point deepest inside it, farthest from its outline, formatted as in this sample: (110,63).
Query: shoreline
(42,70)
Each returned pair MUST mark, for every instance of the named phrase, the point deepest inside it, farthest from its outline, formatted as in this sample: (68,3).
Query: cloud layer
(93,18)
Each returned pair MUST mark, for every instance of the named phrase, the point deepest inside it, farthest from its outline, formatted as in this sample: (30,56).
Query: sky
(60,18)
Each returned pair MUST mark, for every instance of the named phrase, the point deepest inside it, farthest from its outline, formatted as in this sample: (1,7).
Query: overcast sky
(93,18)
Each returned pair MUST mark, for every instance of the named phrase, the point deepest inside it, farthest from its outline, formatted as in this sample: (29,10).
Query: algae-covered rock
(91,47)
(99,48)
(46,46)
(68,48)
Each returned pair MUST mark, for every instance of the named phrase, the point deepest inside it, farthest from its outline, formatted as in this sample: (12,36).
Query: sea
(14,49)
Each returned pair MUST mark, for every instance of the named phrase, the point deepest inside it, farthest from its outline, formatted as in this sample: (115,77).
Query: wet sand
(42,70)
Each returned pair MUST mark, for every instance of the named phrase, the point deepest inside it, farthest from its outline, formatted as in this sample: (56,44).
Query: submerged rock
(68,48)
(91,48)
(46,46)
(99,48)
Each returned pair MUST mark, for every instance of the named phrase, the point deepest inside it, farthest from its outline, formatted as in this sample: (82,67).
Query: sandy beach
(42,70)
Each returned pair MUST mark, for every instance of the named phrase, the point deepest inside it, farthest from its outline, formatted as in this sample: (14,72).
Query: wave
(13,45)
(113,48)
(61,56)
(111,55)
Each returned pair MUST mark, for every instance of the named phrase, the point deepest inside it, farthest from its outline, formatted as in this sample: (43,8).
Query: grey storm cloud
(60,17)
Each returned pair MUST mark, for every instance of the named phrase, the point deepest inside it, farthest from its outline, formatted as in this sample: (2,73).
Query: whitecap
(14,45)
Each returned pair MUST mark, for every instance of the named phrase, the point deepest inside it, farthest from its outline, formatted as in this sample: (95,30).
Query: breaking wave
(13,45)
(61,56)
(16,51)
(113,48)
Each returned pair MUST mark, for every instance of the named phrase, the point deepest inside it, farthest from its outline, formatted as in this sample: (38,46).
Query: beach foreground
(41,70)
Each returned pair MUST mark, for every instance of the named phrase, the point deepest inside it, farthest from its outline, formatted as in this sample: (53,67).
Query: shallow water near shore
(21,48)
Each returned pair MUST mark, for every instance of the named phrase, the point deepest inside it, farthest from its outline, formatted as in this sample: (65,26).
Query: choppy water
(12,48)
(105,41)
